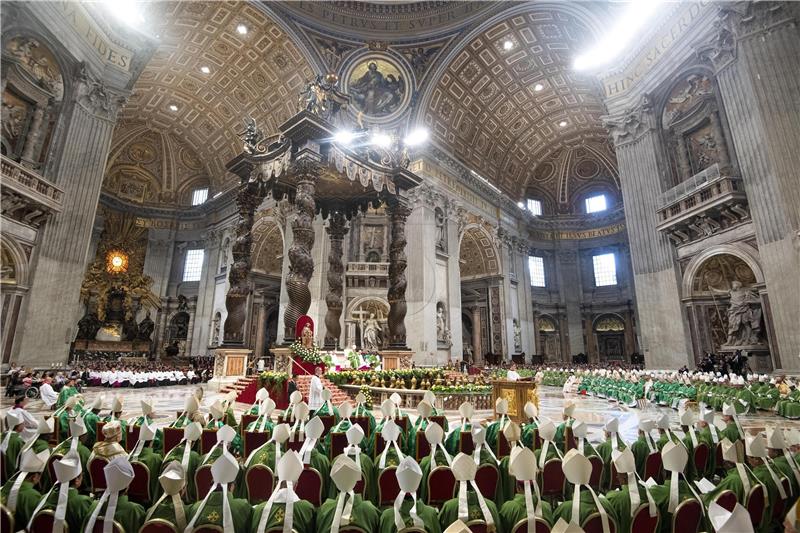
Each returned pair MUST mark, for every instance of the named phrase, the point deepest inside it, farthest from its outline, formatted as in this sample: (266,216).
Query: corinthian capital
(632,123)
(93,95)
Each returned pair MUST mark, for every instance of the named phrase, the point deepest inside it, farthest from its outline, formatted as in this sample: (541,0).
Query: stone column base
(396,359)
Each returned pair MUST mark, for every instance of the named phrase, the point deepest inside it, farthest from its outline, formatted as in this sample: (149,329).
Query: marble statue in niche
(37,62)
(372,333)
(441,230)
(744,315)
(146,327)
(215,328)
(517,336)
(443,337)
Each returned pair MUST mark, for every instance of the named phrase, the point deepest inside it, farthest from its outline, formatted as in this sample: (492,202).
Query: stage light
(242,29)
(380,139)
(344,137)
(173,107)
(538,87)
(520,205)
(619,36)
(508,45)
(416,137)
(562,123)
(205,70)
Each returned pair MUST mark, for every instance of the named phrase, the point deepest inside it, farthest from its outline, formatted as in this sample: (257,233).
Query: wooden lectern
(518,393)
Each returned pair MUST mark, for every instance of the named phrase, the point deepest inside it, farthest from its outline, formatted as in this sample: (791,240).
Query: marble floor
(594,411)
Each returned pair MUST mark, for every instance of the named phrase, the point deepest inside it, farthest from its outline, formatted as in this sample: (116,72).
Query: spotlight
(562,123)
(381,140)
(416,137)
(520,205)
(127,11)
(344,137)
(538,87)
(173,107)
(508,45)
(241,29)
(205,70)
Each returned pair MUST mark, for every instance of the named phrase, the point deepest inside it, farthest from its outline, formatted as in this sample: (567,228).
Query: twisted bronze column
(337,228)
(398,213)
(301,264)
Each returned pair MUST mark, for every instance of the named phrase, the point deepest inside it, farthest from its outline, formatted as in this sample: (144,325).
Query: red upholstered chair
(597,472)
(503,446)
(43,521)
(328,421)
(701,455)
(309,486)
(98,526)
(422,446)
(719,459)
(726,499)
(569,439)
(439,419)
(362,421)
(378,446)
(259,480)
(642,521)
(441,485)
(139,489)
(132,437)
(6,519)
(246,421)
(49,465)
(613,483)
(594,524)
(54,438)
(487,477)
(478,526)
(779,507)
(553,480)
(756,504)
(653,467)
(388,487)
(338,444)
(465,444)
(158,525)
(97,478)
(208,528)
(687,516)
(203,481)
(403,423)
(253,440)
(207,440)
(172,437)
(351,529)
(522,526)
(2,468)
(294,445)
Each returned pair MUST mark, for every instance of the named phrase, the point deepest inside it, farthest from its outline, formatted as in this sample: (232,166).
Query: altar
(230,362)
(517,393)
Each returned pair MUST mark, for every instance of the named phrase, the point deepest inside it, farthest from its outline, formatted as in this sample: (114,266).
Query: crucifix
(359,314)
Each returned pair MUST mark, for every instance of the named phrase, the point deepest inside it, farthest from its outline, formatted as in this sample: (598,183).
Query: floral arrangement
(403,376)
(462,389)
(273,381)
(309,355)
(367,392)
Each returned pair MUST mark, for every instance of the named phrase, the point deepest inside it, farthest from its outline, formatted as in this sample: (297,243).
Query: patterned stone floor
(594,411)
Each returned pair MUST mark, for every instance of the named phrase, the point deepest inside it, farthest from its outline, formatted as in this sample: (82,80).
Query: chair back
(158,525)
(718,455)
(522,526)
(597,472)
(779,507)
(208,528)
(97,477)
(338,444)
(53,438)
(49,465)
(402,422)
(613,483)
(478,526)
(756,504)
(553,479)
(98,526)
(98,430)
(569,438)
(328,421)
(362,421)
(465,444)
(2,468)
(172,437)
(351,529)
(259,480)
(247,419)
(594,524)
(43,521)
(309,486)
(441,485)
(487,477)
(379,445)
(294,445)
(503,446)
(203,481)
(6,519)
(207,440)
(422,447)
(653,467)
(439,419)
(132,437)
(642,521)
(727,500)
(687,516)
(254,440)
(139,489)
(388,487)
(701,455)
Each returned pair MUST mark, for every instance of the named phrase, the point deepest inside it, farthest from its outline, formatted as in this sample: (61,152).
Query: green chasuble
(514,510)
(256,424)
(564,510)
(493,431)
(731,432)
(62,449)
(425,466)
(302,517)
(79,507)
(65,416)
(182,421)
(364,515)
(236,446)
(15,444)
(166,511)
(764,477)
(65,394)
(27,500)
(604,450)
(324,411)
(560,437)
(733,482)
(176,454)
(453,440)
(641,451)
(427,514)
(529,431)
(90,419)
(324,444)
(211,513)
(449,511)
(158,440)
(368,474)
(782,467)
(153,462)
(128,514)
(660,494)
(375,435)
(620,503)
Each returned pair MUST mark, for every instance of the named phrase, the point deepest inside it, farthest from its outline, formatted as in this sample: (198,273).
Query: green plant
(309,355)
(273,381)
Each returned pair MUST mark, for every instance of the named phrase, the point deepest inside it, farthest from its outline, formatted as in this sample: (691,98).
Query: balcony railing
(30,185)
(367,269)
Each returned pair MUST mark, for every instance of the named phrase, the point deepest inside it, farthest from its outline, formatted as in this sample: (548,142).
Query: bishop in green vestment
(345,473)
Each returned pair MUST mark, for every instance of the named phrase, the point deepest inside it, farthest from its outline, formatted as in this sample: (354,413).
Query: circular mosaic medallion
(379,87)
